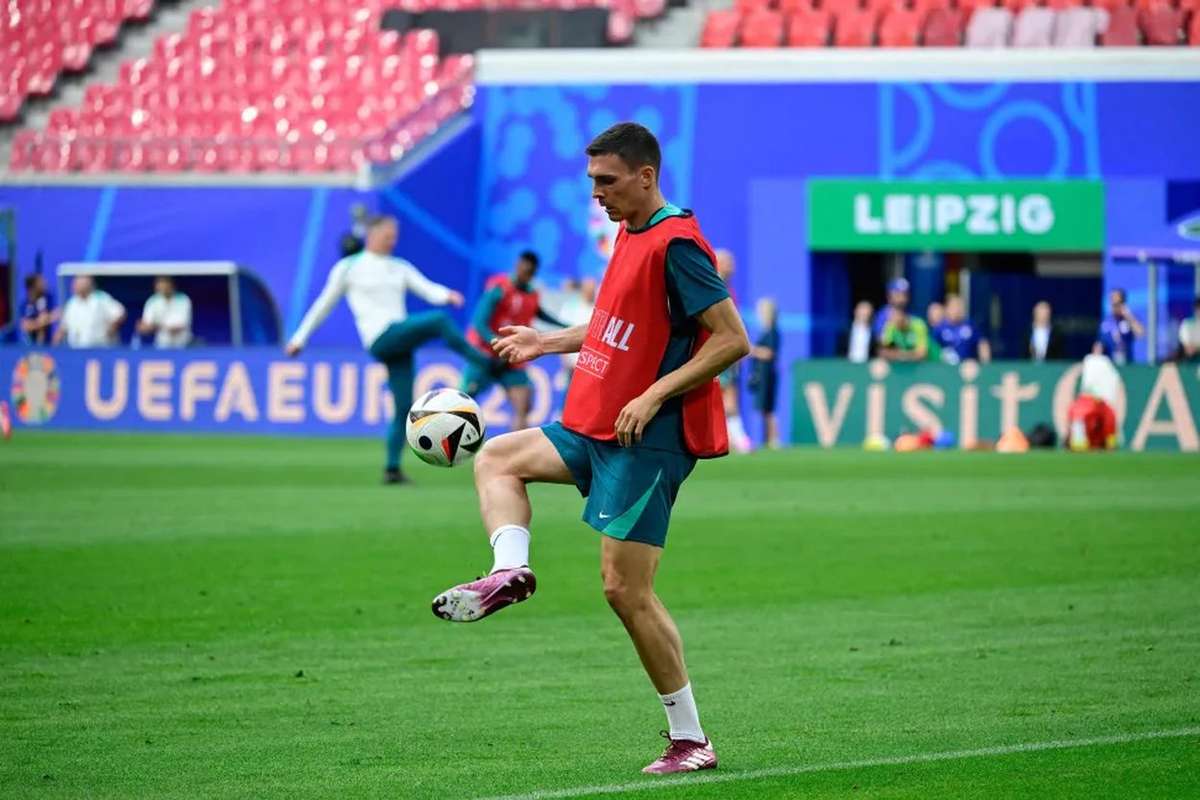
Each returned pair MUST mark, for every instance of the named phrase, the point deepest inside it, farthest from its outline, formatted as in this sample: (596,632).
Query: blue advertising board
(331,392)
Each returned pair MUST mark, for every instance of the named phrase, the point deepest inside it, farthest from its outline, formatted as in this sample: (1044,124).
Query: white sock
(737,433)
(682,717)
(510,546)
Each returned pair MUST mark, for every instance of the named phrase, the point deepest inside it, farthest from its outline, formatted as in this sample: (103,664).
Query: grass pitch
(238,617)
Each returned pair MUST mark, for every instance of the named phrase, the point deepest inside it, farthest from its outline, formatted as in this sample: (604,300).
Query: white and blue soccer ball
(445,427)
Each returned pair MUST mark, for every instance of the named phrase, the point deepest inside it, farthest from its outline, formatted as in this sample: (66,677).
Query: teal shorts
(629,490)
(476,379)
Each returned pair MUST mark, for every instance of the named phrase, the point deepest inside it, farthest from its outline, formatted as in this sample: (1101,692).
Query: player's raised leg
(502,470)
(628,569)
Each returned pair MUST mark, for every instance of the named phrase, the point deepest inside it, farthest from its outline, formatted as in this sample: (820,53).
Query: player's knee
(622,596)
(489,462)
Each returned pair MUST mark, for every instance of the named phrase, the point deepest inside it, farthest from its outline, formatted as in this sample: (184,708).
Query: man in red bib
(642,406)
(507,300)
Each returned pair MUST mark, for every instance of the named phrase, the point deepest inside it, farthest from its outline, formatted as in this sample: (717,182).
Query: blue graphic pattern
(994,131)
(533,191)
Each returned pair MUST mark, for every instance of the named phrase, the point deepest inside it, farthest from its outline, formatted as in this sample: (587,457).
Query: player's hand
(293,349)
(634,417)
(455,299)
(518,343)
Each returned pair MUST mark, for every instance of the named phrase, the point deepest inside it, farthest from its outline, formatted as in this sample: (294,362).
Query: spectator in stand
(1189,336)
(897,302)
(858,349)
(731,379)
(1118,330)
(764,374)
(905,338)
(91,317)
(167,315)
(935,316)
(1045,340)
(38,314)
(957,337)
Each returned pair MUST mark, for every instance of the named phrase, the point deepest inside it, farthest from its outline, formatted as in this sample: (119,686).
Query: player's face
(617,187)
(382,237)
(82,286)
(1116,301)
(954,309)
(525,271)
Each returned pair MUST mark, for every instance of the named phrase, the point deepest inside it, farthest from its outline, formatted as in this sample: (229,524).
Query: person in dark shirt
(1118,330)
(957,336)
(38,314)
(1045,339)
(764,375)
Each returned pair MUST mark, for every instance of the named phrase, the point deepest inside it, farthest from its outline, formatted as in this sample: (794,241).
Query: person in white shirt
(91,318)
(375,284)
(167,315)
(1189,336)
(858,350)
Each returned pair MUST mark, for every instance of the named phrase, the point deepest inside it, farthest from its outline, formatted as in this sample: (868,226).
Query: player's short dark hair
(30,280)
(531,257)
(1120,293)
(158,278)
(632,143)
(375,220)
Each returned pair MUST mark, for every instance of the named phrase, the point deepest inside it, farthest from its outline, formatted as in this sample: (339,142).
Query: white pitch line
(889,761)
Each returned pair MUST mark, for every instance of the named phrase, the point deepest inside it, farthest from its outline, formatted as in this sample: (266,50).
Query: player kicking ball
(642,406)
(375,284)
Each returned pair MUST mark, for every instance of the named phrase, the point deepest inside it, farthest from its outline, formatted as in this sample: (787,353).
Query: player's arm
(482,318)
(727,344)
(335,288)
(518,343)
(547,317)
(429,291)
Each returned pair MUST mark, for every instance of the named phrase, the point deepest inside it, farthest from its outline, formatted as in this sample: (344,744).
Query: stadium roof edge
(559,66)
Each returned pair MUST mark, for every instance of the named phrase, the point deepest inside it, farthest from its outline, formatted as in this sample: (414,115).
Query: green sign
(955,215)
(839,403)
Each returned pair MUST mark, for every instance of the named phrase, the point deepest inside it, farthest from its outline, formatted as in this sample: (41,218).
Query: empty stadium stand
(39,39)
(943,23)
(296,85)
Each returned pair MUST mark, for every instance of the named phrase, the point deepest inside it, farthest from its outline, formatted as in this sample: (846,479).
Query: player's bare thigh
(526,455)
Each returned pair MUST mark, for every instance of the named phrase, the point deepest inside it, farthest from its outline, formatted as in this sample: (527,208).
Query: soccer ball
(445,427)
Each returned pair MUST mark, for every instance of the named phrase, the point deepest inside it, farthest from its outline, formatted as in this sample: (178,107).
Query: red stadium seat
(1122,28)
(720,29)
(900,28)
(789,7)
(836,7)
(854,29)
(1162,26)
(1193,32)
(943,28)
(762,29)
(809,29)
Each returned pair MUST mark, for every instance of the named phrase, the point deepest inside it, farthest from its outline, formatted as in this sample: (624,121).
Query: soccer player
(507,300)
(375,283)
(642,406)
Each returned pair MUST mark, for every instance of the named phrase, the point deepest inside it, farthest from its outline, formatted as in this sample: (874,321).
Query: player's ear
(647,177)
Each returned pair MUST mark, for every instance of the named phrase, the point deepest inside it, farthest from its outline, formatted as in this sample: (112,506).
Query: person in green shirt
(905,338)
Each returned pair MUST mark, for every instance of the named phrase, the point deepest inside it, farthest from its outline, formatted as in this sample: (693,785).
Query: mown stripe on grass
(650,784)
